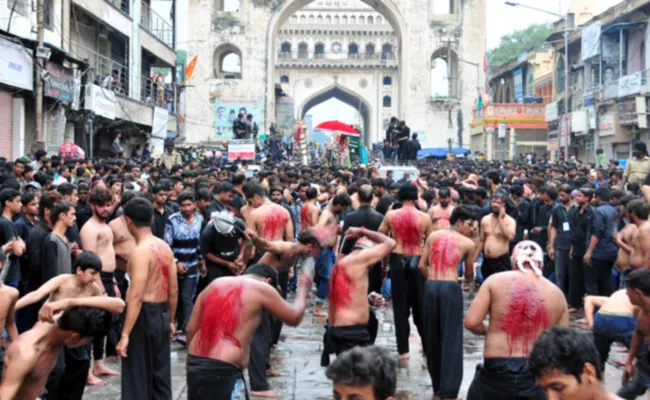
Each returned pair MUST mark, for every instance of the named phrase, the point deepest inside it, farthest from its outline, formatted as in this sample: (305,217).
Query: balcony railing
(155,92)
(336,27)
(103,69)
(336,57)
(156,25)
(123,5)
(341,59)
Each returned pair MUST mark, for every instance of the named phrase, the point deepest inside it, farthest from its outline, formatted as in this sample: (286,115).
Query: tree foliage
(518,41)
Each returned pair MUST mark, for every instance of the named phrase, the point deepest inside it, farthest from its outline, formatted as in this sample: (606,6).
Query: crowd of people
(118,257)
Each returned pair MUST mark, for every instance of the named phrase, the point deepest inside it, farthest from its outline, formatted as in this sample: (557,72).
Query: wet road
(298,358)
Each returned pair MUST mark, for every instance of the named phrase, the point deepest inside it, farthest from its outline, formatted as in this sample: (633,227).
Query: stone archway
(387,8)
(346,96)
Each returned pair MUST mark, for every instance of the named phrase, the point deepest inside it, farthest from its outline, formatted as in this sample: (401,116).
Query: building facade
(376,55)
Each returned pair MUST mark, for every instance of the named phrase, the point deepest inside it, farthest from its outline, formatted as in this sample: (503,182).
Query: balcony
(156,93)
(122,5)
(102,69)
(627,85)
(387,60)
(334,27)
(156,25)
(520,116)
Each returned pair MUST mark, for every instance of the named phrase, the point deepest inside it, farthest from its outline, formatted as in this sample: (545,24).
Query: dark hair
(311,193)
(462,213)
(481,192)
(251,189)
(27,197)
(342,199)
(238,178)
(566,350)
(603,193)
(185,196)
(615,194)
(8,195)
(264,271)
(128,196)
(306,236)
(587,191)
(47,202)
(499,194)
(223,187)
(366,366)
(60,207)
(88,322)
(565,189)
(88,259)
(276,189)
(408,192)
(203,194)
(494,176)
(99,196)
(639,279)
(140,211)
(160,186)
(378,182)
(516,190)
(639,207)
(365,194)
(444,192)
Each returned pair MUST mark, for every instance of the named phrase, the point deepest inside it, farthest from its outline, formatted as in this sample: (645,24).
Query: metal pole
(40,136)
(566,87)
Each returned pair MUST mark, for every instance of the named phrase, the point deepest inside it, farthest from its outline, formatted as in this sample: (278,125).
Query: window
(344,20)
(284,79)
(319,19)
(294,19)
(328,19)
(353,20)
(311,20)
(388,81)
(319,50)
(19,7)
(230,5)
(336,48)
(371,20)
(362,20)
(387,51)
(227,62)
(336,20)
(303,19)
(444,73)
(302,50)
(370,50)
(285,50)
(386,101)
(379,21)
(353,49)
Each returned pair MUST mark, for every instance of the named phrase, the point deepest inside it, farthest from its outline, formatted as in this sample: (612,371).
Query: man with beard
(97,236)
(278,198)
(521,304)
(409,227)
(559,238)
(441,212)
(497,230)
(385,199)
(443,300)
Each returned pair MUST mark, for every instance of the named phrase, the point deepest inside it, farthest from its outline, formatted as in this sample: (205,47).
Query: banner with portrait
(228,109)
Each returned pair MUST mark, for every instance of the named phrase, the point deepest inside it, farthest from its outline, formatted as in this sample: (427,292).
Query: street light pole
(566,69)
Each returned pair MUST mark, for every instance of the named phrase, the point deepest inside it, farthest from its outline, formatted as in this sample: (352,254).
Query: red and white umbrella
(337,126)
(71,151)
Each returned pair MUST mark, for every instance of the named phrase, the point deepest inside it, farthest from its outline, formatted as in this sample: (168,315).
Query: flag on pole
(189,69)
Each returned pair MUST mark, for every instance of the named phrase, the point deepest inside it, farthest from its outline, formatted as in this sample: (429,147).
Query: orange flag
(189,69)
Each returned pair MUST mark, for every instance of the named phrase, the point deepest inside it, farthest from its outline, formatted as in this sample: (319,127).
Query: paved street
(298,357)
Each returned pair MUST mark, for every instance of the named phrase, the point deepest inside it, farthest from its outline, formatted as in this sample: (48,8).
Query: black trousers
(54,379)
(504,379)
(259,354)
(210,379)
(492,266)
(576,281)
(598,277)
(283,281)
(443,334)
(407,285)
(73,381)
(113,335)
(146,372)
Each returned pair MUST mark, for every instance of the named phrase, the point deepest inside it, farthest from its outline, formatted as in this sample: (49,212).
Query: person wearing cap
(638,166)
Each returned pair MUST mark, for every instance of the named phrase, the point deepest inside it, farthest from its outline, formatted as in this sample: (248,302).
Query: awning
(616,28)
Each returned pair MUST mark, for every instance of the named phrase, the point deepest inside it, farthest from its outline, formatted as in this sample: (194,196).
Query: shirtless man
(123,243)
(347,324)
(220,331)
(521,305)
(410,228)
(625,241)
(8,299)
(329,217)
(33,355)
(441,212)
(283,255)
(638,210)
(497,230)
(309,211)
(97,237)
(565,363)
(443,300)
(145,343)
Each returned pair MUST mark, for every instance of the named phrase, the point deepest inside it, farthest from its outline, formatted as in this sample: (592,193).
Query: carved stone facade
(374,55)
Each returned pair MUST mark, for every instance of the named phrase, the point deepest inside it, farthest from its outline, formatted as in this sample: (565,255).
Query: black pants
(402,150)
(598,277)
(407,285)
(504,379)
(443,330)
(283,281)
(113,335)
(212,273)
(373,327)
(259,354)
(576,281)
(492,266)
(73,381)
(339,339)
(54,378)
(210,379)
(146,372)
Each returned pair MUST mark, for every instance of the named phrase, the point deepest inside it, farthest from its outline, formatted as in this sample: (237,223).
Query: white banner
(160,122)
(100,101)
(629,84)
(591,41)
(243,149)
(502,131)
(16,65)
(606,126)
(579,122)
(551,111)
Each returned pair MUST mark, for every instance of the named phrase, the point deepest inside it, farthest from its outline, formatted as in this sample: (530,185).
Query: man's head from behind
(637,286)
(87,266)
(264,272)
(566,364)
(81,324)
(367,373)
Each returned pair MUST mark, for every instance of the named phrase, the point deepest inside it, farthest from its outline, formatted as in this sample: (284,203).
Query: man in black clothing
(560,239)
(24,224)
(517,196)
(161,211)
(402,138)
(83,208)
(385,200)
(11,207)
(580,220)
(223,194)
(369,219)
(539,234)
(238,200)
(483,202)
(414,147)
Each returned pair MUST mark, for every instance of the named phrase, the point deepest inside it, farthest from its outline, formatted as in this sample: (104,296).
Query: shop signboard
(16,65)
(243,149)
(100,101)
(607,126)
(60,84)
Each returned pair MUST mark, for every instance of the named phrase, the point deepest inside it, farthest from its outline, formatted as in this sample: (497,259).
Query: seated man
(367,373)
(565,362)
(220,330)
(31,358)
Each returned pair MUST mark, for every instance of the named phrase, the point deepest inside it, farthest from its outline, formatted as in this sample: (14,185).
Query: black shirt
(237,202)
(84,213)
(384,204)
(159,221)
(224,246)
(35,254)
(364,216)
(562,237)
(23,229)
(580,225)
(8,233)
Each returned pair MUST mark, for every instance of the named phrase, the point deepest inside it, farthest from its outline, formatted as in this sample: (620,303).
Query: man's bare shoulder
(9,292)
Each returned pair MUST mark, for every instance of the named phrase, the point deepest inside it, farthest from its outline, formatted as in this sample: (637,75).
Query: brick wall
(6,134)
